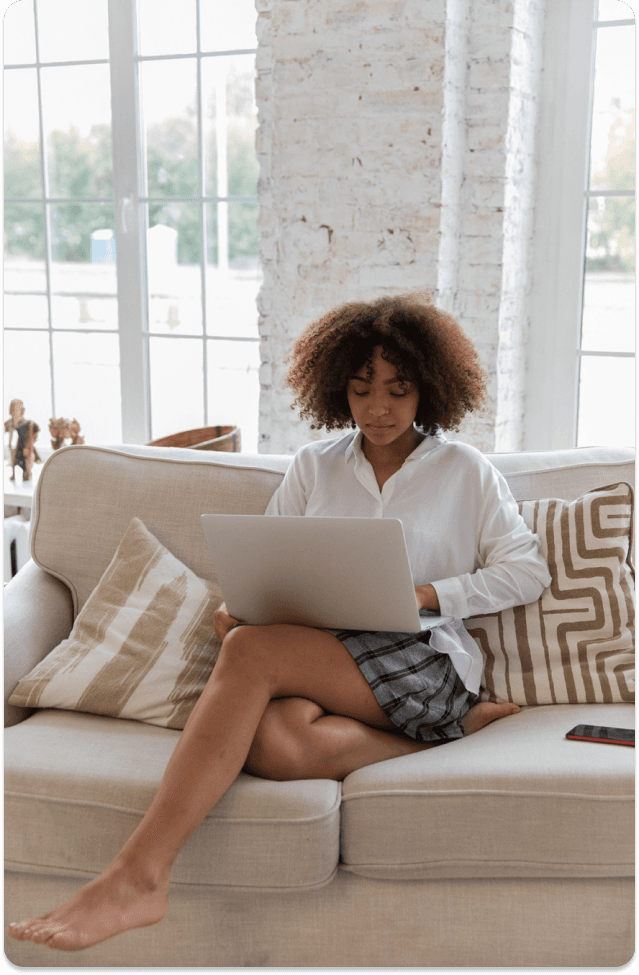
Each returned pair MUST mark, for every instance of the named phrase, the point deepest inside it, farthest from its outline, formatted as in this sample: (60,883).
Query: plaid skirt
(418,688)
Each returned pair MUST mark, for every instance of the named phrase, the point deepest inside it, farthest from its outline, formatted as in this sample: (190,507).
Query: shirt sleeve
(291,496)
(512,571)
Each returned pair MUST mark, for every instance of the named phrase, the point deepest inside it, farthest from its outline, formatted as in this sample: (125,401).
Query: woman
(291,702)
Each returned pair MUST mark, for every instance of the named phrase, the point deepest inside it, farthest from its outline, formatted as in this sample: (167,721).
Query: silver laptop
(337,573)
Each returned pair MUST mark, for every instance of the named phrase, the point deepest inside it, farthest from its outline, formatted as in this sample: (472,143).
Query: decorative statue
(62,429)
(23,454)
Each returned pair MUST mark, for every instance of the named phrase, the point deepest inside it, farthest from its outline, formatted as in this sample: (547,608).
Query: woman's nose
(378,406)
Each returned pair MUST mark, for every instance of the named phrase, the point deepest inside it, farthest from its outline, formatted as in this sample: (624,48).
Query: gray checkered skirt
(418,688)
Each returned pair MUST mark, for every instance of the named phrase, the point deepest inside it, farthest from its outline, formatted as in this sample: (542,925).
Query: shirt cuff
(452,598)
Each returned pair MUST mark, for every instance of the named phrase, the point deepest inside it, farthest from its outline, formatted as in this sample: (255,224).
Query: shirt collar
(354,448)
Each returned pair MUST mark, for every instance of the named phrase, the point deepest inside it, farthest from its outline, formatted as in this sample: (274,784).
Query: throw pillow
(575,644)
(143,645)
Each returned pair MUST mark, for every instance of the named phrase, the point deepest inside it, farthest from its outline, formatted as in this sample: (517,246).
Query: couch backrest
(86,497)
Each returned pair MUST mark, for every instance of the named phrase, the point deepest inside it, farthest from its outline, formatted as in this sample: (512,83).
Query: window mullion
(129,234)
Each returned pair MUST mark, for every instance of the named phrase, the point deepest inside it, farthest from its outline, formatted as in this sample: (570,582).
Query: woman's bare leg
(256,665)
(297,739)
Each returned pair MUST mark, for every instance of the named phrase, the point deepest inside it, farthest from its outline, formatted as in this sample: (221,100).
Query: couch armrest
(38,614)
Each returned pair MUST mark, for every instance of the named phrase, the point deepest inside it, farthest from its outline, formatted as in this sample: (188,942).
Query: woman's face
(383,405)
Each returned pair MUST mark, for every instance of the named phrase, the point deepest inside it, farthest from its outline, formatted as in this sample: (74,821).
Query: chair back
(204,438)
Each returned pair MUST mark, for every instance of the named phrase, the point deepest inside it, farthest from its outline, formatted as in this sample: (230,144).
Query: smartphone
(610,736)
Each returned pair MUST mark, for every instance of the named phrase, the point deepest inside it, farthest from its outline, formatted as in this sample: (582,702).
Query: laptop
(331,573)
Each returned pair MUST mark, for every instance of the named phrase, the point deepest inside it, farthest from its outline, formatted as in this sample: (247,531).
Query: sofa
(510,848)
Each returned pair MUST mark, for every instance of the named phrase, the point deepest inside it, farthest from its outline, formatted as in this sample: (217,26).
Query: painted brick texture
(396,145)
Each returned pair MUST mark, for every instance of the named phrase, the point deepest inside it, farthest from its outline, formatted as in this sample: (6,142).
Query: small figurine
(61,429)
(23,454)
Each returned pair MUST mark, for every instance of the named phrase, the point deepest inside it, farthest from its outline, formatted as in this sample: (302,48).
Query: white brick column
(396,140)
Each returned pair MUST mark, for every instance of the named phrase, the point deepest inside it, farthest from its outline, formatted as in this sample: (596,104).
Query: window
(608,319)
(581,372)
(131,269)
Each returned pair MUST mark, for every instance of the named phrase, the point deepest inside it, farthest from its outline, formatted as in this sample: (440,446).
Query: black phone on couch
(609,736)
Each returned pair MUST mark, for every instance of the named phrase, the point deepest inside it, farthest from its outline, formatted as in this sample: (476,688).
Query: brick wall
(396,143)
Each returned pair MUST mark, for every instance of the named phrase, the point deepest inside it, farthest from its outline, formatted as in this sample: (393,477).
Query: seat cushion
(516,799)
(78,784)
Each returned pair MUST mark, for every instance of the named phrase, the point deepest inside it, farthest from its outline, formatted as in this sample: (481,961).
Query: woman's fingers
(224,622)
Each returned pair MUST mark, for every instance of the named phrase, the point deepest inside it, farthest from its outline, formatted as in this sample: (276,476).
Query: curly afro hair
(424,343)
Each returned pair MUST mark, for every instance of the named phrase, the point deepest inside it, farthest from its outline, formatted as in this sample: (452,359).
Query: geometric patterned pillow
(575,644)
(143,645)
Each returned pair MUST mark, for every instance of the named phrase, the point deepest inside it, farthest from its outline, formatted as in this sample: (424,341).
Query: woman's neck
(389,458)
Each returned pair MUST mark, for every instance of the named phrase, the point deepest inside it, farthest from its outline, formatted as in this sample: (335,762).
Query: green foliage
(81,168)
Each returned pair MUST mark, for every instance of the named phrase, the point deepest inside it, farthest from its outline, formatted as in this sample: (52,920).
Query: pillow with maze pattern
(575,645)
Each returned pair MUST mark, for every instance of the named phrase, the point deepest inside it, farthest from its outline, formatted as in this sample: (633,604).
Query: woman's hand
(224,622)
(427,598)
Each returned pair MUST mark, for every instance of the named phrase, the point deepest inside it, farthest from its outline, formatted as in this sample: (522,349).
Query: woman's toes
(42,934)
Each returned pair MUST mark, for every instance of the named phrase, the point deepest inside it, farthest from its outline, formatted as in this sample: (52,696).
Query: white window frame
(566,94)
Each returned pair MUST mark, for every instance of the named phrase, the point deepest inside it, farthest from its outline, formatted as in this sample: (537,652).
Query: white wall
(397,150)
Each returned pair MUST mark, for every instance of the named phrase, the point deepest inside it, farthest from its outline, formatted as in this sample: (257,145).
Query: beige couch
(509,848)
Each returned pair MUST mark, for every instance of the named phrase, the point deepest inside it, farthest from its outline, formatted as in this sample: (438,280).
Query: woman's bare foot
(485,712)
(116,901)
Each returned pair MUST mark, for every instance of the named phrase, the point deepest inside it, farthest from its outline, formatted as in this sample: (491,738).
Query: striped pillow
(575,644)
(143,645)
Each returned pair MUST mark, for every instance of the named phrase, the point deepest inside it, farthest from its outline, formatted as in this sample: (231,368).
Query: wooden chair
(204,438)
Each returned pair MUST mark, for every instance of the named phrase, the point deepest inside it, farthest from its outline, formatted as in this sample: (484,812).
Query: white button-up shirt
(463,530)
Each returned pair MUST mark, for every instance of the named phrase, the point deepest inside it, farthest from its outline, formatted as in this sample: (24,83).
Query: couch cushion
(86,497)
(564,473)
(575,644)
(77,786)
(142,647)
(516,799)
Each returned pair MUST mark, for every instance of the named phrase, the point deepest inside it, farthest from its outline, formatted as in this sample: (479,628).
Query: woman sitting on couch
(292,702)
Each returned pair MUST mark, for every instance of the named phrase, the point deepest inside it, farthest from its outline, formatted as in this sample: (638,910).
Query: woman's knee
(247,647)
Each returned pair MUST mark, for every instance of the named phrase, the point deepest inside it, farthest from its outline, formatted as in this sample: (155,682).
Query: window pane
(76,106)
(24,268)
(27,376)
(614,10)
(230,121)
(229,26)
(177,385)
(606,402)
(612,150)
(174,272)
(22,170)
(73,30)
(214,107)
(87,384)
(234,388)
(609,312)
(167,26)
(25,311)
(24,237)
(83,269)
(19,33)
(169,110)
(232,287)
(610,244)
(241,125)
